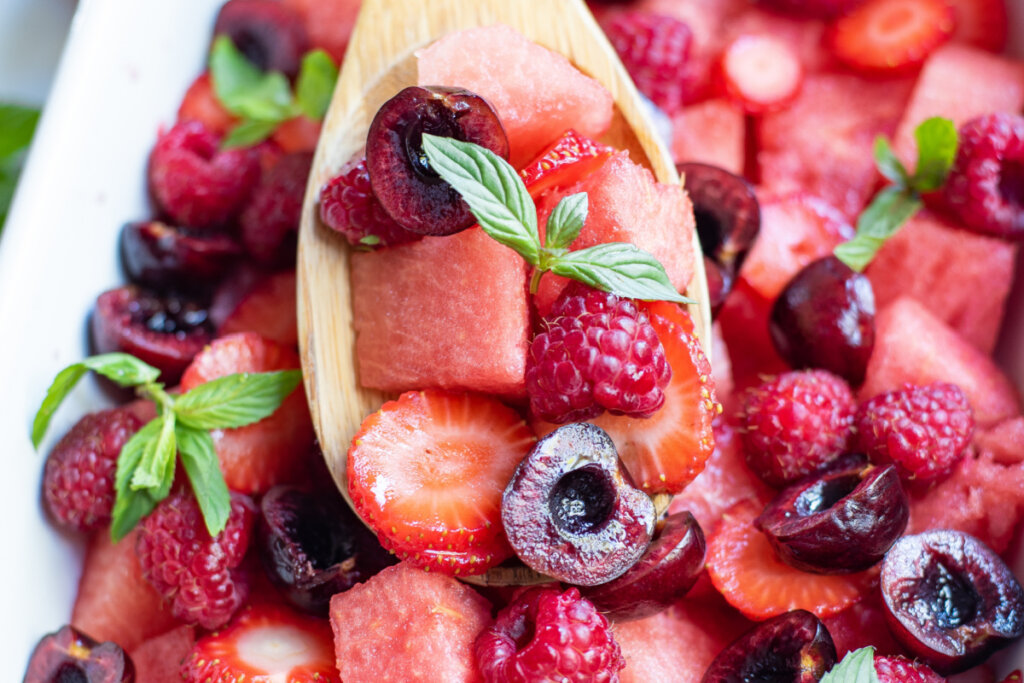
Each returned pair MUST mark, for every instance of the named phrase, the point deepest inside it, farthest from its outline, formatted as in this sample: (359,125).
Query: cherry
(69,656)
(160,255)
(269,33)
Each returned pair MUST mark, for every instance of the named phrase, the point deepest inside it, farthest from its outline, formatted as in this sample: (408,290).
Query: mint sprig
(264,100)
(504,209)
(892,207)
(146,463)
(857,666)
(17,126)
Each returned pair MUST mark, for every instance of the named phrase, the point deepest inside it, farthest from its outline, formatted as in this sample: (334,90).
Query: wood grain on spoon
(378,64)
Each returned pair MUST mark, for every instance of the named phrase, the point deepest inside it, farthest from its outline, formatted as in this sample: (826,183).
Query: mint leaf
(621,268)
(17,125)
(62,385)
(151,471)
(857,667)
(199,459)
(937,142)
(566,221)
(235,400)
(494,191)
(890,209)
(887,163)
(244,89)
(248,133)
(131,505)
(315,84)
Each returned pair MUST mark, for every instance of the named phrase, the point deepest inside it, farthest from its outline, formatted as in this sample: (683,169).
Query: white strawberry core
(276,650)
(763,69)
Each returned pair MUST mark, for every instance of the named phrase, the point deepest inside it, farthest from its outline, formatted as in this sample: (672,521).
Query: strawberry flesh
(891,35)
(566,161)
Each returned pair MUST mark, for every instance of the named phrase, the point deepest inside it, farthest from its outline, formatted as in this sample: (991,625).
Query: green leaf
(10,169)
(887,163)
(857,667)
(566,221)
(889,210)
(370,240)
(621,268)
(235,400)
(129,509)
(494,191)
(315,84)
(937,142)
(248,133)
(246,91)
(199,459)
(132,505)
(17,125)
(151,472)
(62,385)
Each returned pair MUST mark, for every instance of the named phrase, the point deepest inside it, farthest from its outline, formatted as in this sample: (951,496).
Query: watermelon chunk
(158,659)
(960,82)
(912,345)
(268,309)
(1005,441)
(945,268)
(448,312)
(405,624)
(537,93)
(627,205)
(711,132)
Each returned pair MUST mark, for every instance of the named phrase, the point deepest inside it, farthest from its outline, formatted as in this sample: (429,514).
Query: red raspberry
(78,482)
(796,424)
(655,49)
(198,575)
(896,669)
(924,430)
(194,182)
(986,184)
(348,205)
(820,9)
(547,635)
(270,221)
(598,352)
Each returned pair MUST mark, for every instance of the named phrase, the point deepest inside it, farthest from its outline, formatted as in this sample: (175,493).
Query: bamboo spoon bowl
(380,61)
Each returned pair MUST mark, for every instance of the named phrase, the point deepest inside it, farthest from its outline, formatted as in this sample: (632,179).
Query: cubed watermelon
(537,93)
(1005,441)
(158,660)
(912,345)
(448,312)
(945,269)
(711,132)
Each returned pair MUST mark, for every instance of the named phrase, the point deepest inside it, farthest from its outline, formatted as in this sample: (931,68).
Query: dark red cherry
(164,256)
(794,647)
(269,33)
(69,656)
(412,193)
(825,318)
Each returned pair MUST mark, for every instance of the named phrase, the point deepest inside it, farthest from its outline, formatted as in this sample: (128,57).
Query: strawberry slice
(201,104)
(982,23)
(565,162)
(746,571)
(268,309)
(265,643)
(760,72)
(427,473)
(891,35)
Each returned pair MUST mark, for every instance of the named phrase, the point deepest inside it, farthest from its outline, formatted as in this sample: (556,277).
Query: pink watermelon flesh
(627,205)
(537,93)
(711,132)
(158,659)
(959,82)
(946,269)
(1005,441)
(912,345)
(822,142)
(448,312)
(405,625)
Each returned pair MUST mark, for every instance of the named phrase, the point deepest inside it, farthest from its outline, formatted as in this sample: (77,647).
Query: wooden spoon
(379,63)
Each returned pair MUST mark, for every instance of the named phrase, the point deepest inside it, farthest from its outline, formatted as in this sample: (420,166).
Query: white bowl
(124,70)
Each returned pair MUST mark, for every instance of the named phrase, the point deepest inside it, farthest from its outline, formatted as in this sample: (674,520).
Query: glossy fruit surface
(163,256)
(69,656)
(270,34)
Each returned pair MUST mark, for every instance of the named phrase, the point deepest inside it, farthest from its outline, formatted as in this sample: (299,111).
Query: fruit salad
(559,484)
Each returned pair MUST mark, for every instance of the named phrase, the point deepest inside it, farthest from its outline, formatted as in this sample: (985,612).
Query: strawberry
(271,451)
(201,104)
(760,72)
(891,35)
(566,161)
(746,571)
(299,134)
(427,473)
(268,642)
(268,309)
(983,23)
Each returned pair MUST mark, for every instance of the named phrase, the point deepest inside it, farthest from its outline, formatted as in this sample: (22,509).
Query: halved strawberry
(427,473)
(746,571)
(566,161)
(265,643)
(891,35)
(268,309)
(761,72)
(983,23)
(201,104)
(273,450)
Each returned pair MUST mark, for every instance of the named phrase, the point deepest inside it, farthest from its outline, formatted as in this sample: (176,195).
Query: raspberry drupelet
(655,50)
(348,206)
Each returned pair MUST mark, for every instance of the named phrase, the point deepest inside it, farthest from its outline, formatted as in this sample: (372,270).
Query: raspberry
(986,184)
(820,9)
(897,669)
(655,49)
(924,430)
(348,205)
(597,352)
(78,482)
(796,424)
(198,575)
(194,182)
(547,635)
(270,221)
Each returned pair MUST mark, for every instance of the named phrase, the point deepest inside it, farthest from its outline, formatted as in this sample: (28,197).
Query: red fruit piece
(746,571)
(298,135)
(271,451)
(982,23)
(1014,677)
(897,669)
(427,473)
(891,35)
(328,23)
(568,641)
(194,182)
(165,257)
(270,34)
(68,655)
(268,310)
(655,49)
(270,221)
(158,659)
(824,9)
(566,161)
(711,132)
(861,625)
(761,73)
(201,104)
(263,643)
(78,482)
(348,205)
